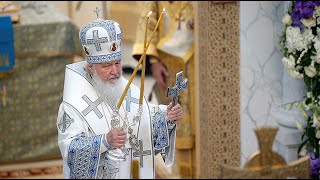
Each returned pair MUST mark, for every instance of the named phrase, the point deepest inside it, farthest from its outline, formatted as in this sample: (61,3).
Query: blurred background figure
(171,51)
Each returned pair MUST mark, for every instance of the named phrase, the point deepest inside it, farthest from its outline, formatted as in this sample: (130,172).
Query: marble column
(288,138)
(265,84)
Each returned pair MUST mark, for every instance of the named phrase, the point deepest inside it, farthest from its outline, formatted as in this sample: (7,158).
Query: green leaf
(291,7)
(301,145)
(306,60)
(290,107)
(308,101)
(303,112)
(307,81)
(311,133)
(314,84)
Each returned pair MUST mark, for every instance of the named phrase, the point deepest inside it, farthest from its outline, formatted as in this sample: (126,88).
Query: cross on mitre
(97,10)
(175,90)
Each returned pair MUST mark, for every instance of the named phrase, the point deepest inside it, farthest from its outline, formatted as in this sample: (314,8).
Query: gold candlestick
(140,61)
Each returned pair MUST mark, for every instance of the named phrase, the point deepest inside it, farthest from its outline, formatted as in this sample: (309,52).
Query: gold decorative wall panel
(218,55)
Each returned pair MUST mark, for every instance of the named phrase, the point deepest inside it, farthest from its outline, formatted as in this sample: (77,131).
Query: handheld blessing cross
(176,89)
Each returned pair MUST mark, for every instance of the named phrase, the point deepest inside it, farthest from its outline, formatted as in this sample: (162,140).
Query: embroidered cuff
(83,157)
(160,130)
(105,142)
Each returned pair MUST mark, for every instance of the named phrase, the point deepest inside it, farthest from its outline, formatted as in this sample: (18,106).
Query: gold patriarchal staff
(140,60)
(137,117)
(144,61)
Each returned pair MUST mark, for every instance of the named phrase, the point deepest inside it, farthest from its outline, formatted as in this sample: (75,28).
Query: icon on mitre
(8,8)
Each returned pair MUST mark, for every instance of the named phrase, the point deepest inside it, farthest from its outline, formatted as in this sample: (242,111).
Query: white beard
(110,92)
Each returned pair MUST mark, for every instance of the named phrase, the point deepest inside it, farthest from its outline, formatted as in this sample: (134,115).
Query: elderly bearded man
(91,127)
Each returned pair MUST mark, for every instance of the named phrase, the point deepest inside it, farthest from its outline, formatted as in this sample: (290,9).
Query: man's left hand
(174,113)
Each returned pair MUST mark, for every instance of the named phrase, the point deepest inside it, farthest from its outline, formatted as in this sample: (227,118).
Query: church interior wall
(261,69)
(261,83)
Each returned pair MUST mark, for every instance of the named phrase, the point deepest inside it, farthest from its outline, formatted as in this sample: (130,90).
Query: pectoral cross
(175,90)
(180,19)
(141,153)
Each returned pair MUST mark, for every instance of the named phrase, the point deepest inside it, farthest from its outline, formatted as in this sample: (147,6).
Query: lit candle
(155,29)
(144,62)
(140,61)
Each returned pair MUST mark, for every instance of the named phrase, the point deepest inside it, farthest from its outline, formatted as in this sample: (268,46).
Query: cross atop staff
(175,90)
(97,10)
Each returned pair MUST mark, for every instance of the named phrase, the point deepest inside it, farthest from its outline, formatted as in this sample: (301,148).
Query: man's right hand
(159,72)
(116,138)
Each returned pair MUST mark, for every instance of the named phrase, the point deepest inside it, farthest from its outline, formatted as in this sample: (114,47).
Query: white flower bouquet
(300,46)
